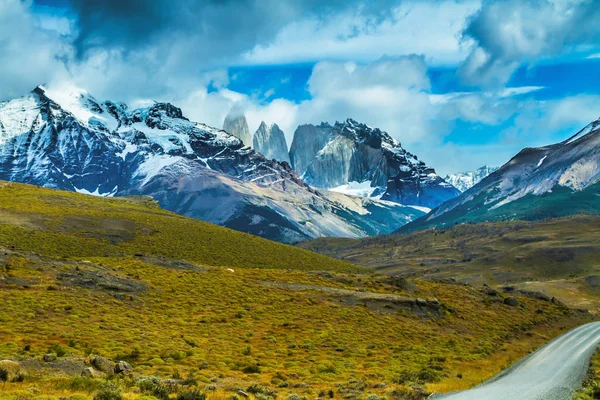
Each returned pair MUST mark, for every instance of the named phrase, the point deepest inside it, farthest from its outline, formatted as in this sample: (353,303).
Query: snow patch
(359,189)
(539,164)
(97,192)
(420,208)
(154,164)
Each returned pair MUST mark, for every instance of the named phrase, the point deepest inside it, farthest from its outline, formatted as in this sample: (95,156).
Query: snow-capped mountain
(351,156)
(68,140)
(235,124)
(270,142)
(464,181)
(551,181)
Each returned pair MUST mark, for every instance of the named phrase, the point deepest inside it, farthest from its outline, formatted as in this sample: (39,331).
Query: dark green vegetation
(199,310)
(560,202)
(591,385)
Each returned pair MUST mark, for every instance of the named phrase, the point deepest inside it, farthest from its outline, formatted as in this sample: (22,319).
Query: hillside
(62,224)
(193,306)
(557,256)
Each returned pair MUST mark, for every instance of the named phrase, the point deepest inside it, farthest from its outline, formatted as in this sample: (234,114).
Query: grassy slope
(195,318)
(62,224)
(559,253)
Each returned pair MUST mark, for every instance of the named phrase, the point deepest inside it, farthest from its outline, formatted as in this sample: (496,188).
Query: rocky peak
(65,139)
(463,181)
(155,116)
(270,141)
(235,124)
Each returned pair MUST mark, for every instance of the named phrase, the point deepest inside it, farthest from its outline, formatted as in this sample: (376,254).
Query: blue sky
(461,83)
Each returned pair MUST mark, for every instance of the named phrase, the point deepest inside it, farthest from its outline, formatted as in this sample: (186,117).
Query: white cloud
(428,28)
(507,33)
(28,53)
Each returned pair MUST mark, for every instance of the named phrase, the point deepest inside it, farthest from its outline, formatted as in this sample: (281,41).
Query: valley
(205,308)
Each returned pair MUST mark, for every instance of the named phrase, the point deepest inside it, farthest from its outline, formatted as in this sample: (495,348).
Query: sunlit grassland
(554,255)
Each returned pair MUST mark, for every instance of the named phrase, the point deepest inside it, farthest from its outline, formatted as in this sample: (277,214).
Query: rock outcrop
(270,142)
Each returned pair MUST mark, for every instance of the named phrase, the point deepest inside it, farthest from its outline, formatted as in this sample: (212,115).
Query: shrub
(3,375)
(373,397)
(20,377)
(154,387)
(257,391)
(58,350)
(109,393)
(251,369)
(193,395)
(293,397)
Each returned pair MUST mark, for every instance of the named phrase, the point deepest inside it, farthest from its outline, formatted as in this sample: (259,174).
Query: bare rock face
(237,125)
(308,141)
(270,142)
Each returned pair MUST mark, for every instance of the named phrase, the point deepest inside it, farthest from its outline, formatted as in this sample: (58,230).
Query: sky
(460,83)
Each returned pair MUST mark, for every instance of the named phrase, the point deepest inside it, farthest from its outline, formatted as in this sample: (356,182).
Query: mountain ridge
(466,180)
(559,179)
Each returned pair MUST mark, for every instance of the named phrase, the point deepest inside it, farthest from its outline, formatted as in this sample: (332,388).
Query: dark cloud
(210,29)
(508,33)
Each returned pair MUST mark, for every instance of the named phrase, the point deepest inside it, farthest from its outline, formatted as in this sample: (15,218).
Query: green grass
(591,385)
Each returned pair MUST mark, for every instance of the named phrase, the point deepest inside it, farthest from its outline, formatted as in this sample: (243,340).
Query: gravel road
(554,372)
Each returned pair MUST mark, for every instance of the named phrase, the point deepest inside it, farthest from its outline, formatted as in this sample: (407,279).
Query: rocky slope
(350,154)
(538,183)
(270,142)
(235,123)
(464,181)
(68,140)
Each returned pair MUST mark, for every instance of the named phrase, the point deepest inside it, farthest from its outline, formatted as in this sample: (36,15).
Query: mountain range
(66,139)
(561,179)
(464,181)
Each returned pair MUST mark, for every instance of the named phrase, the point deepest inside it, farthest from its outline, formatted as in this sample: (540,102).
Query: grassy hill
(62,224)
(196,307)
